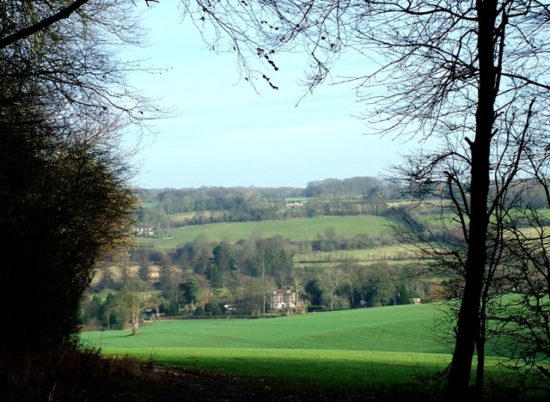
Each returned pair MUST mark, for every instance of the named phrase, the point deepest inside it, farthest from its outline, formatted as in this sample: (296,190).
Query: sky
(223,132)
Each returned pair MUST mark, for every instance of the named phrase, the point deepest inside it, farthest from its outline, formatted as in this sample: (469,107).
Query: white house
(282,299)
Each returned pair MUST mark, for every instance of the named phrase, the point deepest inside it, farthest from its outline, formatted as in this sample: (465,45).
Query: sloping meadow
(350,349)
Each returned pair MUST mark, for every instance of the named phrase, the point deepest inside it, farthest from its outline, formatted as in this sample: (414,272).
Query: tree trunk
(135,320)
(467,333)
(480,343)
(468,317)
(263,285)
(480,371)
(135,327)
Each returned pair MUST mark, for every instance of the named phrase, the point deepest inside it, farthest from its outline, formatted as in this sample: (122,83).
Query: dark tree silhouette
(64,192)
(521,318)
(71,62)
(62,206)
(518,160)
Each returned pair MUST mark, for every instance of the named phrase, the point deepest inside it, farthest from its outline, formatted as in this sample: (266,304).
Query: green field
(294,230)
(354,348)
(399,328)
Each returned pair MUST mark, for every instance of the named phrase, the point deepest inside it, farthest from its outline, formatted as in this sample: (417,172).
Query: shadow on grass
(349,376)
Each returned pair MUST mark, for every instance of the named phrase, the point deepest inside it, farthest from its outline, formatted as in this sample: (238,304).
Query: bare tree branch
(42,24)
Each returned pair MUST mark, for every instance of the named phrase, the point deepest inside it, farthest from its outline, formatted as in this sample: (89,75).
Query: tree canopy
(64,182)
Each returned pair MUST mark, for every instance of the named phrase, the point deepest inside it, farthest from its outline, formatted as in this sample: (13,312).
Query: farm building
(144,231)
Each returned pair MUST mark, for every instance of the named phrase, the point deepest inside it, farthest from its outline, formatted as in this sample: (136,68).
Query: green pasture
(397,328)
(351,349)
(294,230)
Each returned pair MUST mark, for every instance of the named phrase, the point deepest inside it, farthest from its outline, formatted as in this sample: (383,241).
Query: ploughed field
(353,349)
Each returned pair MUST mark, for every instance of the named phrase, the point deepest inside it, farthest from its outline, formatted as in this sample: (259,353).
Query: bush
(63,207)
(199,312)
(170,308)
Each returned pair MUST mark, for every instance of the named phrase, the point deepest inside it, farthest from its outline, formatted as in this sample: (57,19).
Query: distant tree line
(202,278)
(332,197)
(364,186)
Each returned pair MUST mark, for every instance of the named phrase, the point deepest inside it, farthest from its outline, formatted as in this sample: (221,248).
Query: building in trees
(286,300)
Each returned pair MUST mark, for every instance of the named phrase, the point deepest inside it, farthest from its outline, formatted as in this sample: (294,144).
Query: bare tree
(461,74)
(297,281)
(67,53)
(44,15)
(255,292)
(518,157)
(335,278)
(130,301)
(521,317)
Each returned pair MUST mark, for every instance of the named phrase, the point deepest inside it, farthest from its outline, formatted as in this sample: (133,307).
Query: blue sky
(224,133)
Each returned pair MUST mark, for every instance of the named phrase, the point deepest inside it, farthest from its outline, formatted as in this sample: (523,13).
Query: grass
(335,349)
(387,349)
(392,329)
(326,368)
(351,349)
(294,230)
